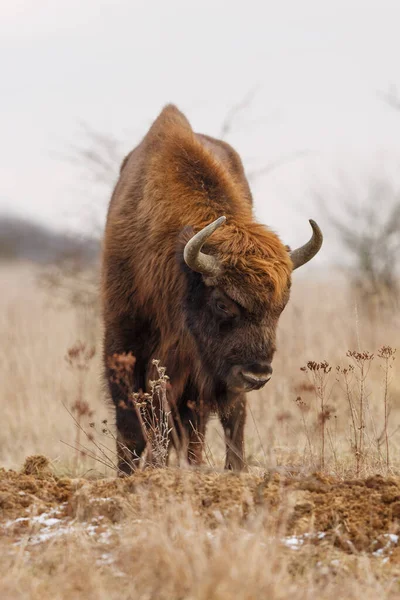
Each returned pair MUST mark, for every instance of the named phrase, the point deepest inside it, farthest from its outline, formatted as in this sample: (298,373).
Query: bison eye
(223,308)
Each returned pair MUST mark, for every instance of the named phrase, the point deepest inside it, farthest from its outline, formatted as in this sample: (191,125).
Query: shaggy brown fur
(171,185)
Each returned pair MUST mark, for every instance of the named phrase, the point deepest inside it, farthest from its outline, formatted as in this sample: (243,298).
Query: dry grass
(172,557)
(170,551)
(149,561)
(35,377)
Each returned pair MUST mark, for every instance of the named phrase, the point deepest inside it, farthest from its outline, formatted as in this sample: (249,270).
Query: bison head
(231,321)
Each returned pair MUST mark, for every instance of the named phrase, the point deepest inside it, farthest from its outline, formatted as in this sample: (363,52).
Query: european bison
(189,277)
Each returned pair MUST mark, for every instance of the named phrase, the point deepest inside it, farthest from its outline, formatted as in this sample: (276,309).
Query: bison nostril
(260,369)
(265,369)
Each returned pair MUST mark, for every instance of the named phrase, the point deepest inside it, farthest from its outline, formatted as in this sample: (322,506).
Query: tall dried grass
(297,423)
(321,323)
(171,555)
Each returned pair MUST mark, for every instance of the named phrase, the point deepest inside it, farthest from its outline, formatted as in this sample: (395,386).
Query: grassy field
(315,516)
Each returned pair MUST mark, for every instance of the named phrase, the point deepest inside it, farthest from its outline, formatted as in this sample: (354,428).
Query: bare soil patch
(352,515)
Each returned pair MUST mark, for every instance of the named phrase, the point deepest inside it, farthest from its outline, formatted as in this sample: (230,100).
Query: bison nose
(257,375)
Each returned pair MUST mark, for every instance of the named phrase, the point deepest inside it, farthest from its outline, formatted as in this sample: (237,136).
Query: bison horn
(197,260)
(305,253)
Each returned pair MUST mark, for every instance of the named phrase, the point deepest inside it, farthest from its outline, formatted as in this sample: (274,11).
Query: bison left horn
(197,260)
(302,255)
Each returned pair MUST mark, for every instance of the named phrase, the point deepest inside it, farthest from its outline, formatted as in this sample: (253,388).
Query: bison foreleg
(233,424)
(196,436)
(193,421)
(131,441)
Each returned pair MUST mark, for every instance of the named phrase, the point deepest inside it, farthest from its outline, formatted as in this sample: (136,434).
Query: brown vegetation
(286,528)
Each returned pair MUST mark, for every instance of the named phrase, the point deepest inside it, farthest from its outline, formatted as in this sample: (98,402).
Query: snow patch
(392,540)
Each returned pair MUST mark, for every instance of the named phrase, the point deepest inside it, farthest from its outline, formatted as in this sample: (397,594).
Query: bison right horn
(305,253)
(197,260)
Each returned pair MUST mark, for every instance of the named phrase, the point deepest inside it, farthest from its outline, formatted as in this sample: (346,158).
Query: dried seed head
(360,357)
(315,366)
(82,408)
(79,356)
(303,406)
(121,369)
(326,414)
(387,352)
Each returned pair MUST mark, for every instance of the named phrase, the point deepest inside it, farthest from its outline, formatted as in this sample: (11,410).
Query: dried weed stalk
(319,374)
(152,409)
(155,415)
(304,408)
(345,377)
(78,358)
(387,356)
(352,381)
(362,364)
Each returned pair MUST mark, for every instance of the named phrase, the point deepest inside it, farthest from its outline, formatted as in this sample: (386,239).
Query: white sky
(317,66)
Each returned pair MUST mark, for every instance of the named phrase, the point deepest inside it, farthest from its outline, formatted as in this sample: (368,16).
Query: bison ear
(288,248)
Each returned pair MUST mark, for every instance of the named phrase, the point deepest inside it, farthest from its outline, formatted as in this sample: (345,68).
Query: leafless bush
(368,227)
(152,409)
(72,279)
(156,417)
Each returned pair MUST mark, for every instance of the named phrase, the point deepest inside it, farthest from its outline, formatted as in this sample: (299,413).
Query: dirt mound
(354,515)
(35,487)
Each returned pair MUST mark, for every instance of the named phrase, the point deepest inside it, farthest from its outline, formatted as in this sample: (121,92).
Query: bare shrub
(369,231)
(73,282)
(156,417)
(152,409)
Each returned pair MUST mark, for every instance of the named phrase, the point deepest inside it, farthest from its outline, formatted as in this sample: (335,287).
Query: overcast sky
(316,68)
